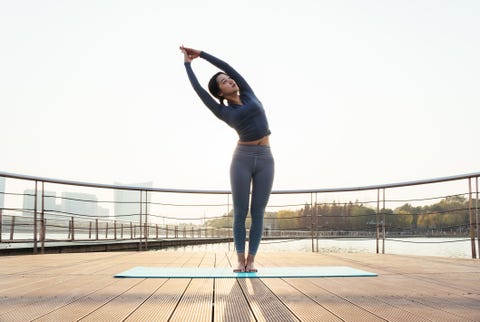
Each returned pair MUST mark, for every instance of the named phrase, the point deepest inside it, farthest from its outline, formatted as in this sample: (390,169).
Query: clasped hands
(190,53)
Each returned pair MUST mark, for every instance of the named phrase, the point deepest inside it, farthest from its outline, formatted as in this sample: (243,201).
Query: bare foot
(250,266)
(240,268)
(241,263)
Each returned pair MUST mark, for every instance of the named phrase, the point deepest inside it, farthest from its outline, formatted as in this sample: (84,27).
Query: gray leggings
(252,166)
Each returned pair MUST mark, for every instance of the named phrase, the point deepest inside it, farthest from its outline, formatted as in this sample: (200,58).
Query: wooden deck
(81,287)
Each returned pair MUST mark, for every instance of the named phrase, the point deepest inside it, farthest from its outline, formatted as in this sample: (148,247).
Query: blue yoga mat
(227,272)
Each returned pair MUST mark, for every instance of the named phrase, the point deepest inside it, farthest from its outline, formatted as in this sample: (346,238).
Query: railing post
(35,250)
(89,230)
(470,213)
(147,227)
(383,223)
(311,220)
(43,230)
(316,222)
(141,210)
(476,217)
(106,230)
(377,221)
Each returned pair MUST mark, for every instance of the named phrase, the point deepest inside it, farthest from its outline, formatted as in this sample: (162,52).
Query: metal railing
(41,210)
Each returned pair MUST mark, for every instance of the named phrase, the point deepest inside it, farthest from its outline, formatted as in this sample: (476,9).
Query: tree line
(450,214)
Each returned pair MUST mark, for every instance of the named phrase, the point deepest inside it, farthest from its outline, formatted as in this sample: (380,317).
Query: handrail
(144,203)
(295,191)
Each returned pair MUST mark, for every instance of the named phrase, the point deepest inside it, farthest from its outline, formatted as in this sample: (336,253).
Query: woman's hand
(190,53)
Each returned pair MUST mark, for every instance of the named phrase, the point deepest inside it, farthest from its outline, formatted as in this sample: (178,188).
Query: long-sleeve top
(249,119)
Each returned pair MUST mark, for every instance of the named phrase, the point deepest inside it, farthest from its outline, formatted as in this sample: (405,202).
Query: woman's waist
(259,150)
(264,141)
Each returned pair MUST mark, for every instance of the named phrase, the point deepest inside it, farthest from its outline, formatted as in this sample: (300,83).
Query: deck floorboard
(82,287)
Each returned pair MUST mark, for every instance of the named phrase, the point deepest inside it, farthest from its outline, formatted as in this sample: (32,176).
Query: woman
(252,163)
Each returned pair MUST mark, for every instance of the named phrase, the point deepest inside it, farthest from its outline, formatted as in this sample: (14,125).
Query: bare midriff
(262,141)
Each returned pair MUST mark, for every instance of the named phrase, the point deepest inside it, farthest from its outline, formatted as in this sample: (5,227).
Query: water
(442,247)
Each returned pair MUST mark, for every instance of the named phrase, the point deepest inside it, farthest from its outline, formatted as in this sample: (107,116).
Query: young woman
(252,163)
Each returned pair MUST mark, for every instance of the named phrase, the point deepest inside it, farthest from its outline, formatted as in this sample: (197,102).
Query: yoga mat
(227,272)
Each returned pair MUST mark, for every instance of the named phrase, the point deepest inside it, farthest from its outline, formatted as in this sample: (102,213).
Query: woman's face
(227,85)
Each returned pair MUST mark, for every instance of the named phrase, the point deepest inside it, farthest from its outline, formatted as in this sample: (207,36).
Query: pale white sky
(356,92)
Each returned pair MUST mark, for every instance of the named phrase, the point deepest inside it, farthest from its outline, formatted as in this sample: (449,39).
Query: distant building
(127,203)
(49,201)
(75,203)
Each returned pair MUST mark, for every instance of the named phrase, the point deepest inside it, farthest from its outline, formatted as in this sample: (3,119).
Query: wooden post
(131,231)
(73,229)
(12,227)
(115,229)
(90,230)
(147,234)
(121,230)
(44,233)
(106,230)
(96,228)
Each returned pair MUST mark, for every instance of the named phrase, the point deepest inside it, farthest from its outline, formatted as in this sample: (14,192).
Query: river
(443,247)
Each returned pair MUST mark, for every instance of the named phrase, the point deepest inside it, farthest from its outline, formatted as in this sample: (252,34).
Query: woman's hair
(214,88)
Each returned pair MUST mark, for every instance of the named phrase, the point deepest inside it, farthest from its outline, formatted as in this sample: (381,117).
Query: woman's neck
(234,99)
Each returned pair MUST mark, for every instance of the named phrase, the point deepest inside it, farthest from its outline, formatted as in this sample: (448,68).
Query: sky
(356,92)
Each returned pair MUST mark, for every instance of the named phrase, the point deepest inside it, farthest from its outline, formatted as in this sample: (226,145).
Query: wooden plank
(331,301)
(265,304)
(43,301)
(349,290)
(302,306)
(433,296)
(71,287)
(230,303)
(89,303)
(196,302)
(161,305)
(121,306)
(421,299)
